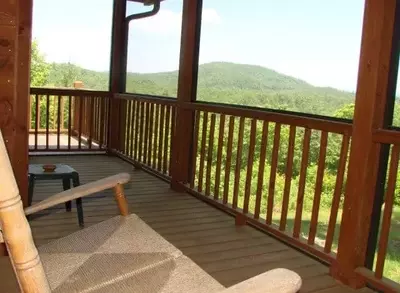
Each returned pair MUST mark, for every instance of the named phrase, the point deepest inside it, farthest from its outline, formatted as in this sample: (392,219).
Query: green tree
(39,68)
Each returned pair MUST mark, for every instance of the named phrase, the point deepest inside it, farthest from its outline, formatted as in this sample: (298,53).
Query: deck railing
(63,120)
(385,241)
(244,160)
(147,126)
(282,172)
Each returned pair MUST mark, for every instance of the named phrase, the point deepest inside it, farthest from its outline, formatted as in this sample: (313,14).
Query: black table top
(61,169)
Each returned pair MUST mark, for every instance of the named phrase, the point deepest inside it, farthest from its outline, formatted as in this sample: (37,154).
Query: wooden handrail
(16,231)
(68,92)
(290,119)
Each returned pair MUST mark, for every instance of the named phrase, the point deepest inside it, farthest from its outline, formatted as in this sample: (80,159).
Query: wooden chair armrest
(277,280)
(115,182)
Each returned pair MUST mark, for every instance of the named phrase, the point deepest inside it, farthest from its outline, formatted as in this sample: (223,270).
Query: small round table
(63,172)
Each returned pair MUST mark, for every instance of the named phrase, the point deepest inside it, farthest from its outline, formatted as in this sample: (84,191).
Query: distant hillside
(221,82)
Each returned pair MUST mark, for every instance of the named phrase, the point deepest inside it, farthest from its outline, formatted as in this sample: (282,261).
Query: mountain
(221,82)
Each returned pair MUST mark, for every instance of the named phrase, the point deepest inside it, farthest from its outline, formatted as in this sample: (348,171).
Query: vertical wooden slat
(58,121)
(167,139)
(30,103)
(219,155)
(288,178)
(195,147)
(202,151)
(302,182)
(155,146)
(141,126)
(274,165)
(161,139)
(62,101)
(172,141)
(210,153)
(47,120)
(103,110)
(131,128)
(128,138)
(151,132)
(261,168)
(228,158)
(318,188)
(337,193)
(81,109)
(146,133)
(250,159)
(37,122)
(387,212)
(90,121)
(69,121)
(238,163)
(137,127)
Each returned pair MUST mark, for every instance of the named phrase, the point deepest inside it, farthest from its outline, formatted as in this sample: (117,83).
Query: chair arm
(84,190)
(277,280)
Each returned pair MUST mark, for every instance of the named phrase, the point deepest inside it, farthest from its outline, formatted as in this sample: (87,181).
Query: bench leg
(79,207)
(66,186)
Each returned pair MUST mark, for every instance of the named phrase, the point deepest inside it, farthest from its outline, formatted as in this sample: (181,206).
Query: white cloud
(169,22)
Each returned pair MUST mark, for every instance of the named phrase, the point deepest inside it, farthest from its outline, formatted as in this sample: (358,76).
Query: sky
(314,40)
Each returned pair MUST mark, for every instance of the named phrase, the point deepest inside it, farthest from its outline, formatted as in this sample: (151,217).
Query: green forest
(254,86)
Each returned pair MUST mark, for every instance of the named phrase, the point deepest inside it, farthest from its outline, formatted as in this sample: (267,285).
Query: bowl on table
(49,168)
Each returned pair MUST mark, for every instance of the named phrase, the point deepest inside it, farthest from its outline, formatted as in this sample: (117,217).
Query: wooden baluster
(274,165)
(195,147)
(302,182)
(288,178)
(167,139)
(219,156)
(37,120)
(155,146)
(132,133)
(228,158)
(337,193)
(387,212)
(47,120)
(128,128)
(80,129)
(238,163)
(69,121)
(210,153)
(58,121)
(171,140)
(103,122)
(261,168)
(202,151)
(318,188)
(146,133)
(161,139)
(151,132)
(139,157)
(250,159)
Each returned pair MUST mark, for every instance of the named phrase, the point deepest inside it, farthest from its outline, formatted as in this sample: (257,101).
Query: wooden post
(15,40)
(121,200)
(116,71)
(75,122)
(371,102)
(187,90)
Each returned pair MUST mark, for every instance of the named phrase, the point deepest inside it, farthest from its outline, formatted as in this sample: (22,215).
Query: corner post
(118,43)
(371,105)
(187,89)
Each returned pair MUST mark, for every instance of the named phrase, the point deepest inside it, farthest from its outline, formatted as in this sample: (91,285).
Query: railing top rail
(68,92)
(303,120)
(147,98)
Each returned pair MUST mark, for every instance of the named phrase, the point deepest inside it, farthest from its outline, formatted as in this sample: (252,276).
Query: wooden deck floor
(208,236)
